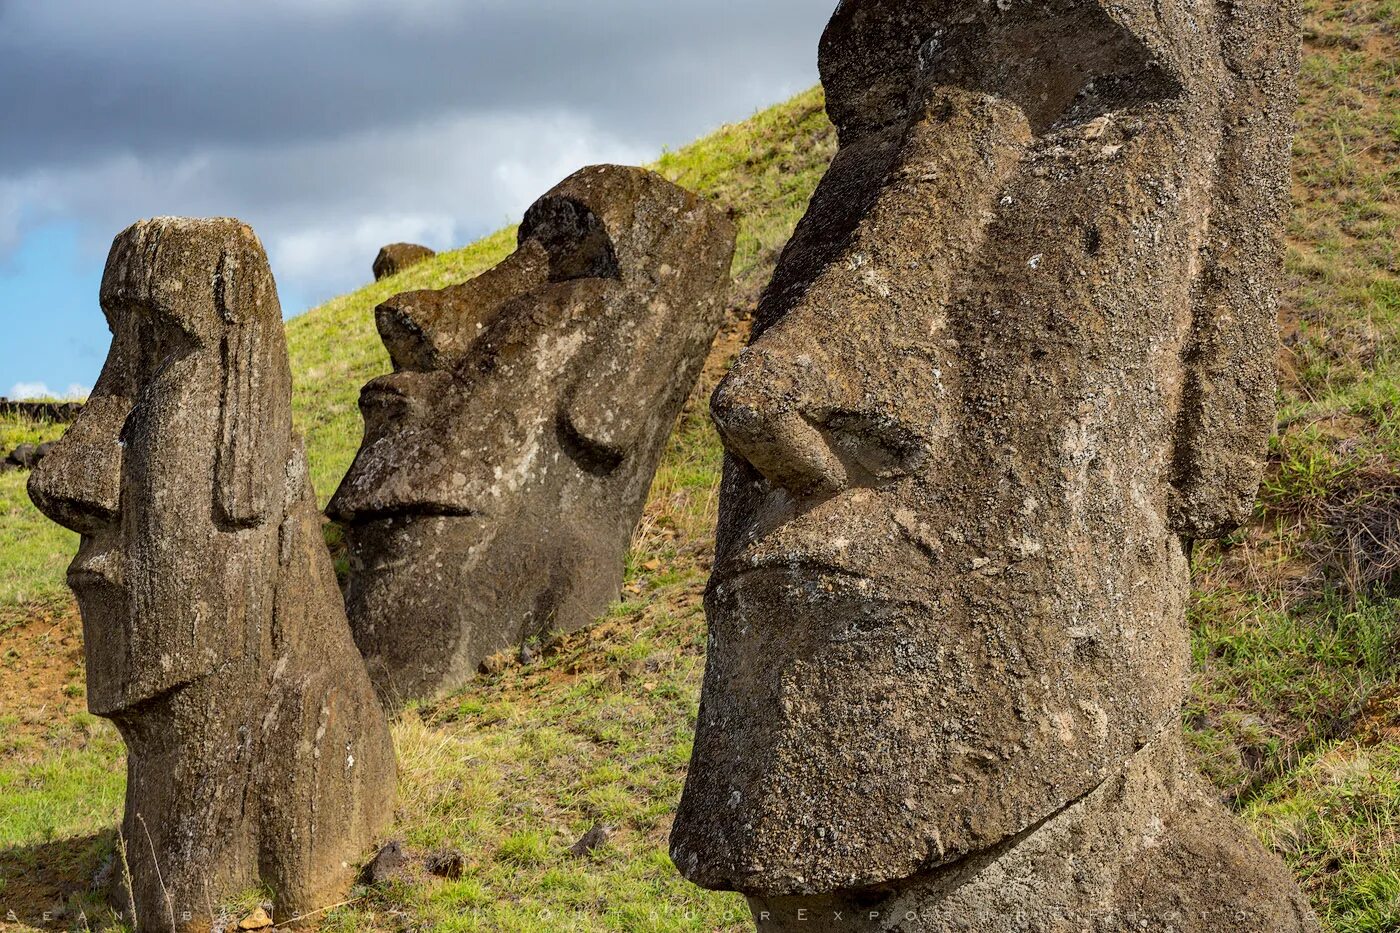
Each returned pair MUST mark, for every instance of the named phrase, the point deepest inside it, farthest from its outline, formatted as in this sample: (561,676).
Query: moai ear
(1231,381)
(624,382)
(606,411)
(254,415)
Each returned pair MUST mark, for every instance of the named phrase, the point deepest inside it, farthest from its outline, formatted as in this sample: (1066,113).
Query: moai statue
(216,639)
(1017,357)
(396,257)
(507,459)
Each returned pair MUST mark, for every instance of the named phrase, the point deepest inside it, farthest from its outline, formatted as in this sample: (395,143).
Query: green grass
(1296,644)
(34,552)
(1335,815)
(73,791)
(17,429)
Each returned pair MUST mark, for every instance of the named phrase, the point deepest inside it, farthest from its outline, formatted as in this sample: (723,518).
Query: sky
(335,127)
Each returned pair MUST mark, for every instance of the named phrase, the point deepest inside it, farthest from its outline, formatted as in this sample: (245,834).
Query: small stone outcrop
(59,412)
(1018,355)
(397,257)
(216,639)
(24,457)
(507,459)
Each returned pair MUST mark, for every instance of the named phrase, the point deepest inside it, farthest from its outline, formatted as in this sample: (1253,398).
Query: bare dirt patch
(41,675)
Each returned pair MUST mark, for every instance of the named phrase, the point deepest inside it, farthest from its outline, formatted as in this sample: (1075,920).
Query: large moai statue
(1017,357)
(507,459)
(216,638)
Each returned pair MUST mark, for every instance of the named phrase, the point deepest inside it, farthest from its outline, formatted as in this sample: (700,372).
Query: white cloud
(306,253)
(27,390)
(11,197)
(324,208)
(24,391)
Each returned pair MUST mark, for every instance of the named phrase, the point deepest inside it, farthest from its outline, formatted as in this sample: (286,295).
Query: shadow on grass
(56,885)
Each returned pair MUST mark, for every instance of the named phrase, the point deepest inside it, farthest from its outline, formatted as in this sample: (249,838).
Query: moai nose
(431,330)
(411,327)
(769,418)
(811,417)
(78,485)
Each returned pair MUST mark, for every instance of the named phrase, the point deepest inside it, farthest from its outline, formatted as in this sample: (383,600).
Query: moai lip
(216,639)
(507,459)
(1018,355)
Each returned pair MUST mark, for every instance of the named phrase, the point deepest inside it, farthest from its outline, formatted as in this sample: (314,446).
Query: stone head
(165,472)
(967,440)
(507,458)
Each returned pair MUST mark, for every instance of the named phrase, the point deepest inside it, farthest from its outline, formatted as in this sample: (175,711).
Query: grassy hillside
(1294,713)
(764,170)
(33,551)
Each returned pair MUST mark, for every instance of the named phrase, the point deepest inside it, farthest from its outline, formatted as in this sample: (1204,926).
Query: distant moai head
(168,473)
(396,257)
(216,639)
(507,459)
(1019,350)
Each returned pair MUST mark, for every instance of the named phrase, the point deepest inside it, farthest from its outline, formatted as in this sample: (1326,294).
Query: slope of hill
(1294,714)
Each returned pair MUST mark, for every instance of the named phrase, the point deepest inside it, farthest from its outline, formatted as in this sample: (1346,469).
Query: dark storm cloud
(83,79)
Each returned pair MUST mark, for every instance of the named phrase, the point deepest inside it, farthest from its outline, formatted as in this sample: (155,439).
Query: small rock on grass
(449,864)
(382,867)
(257,920)
(595,838)
(24,456)
(493,665)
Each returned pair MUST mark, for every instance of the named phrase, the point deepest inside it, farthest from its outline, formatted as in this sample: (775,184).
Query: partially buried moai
(1018,355)
(216,639)
(507,459)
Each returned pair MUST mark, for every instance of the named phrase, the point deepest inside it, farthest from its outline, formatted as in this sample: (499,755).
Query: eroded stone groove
(507,459)
(1017,356)
(215,634)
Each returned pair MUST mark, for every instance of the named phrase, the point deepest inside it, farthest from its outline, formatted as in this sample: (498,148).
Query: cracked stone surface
(507,459)
(1018,355)
(215,634)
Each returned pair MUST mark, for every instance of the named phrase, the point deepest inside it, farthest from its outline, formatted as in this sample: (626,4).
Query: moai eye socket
(162,340)
(574,237)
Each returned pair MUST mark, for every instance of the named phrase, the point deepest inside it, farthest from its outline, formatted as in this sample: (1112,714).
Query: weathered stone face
(507,459)
(397,257)
(214,632)
(1019,351)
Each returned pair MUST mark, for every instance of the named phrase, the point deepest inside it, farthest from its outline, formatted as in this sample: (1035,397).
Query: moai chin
(216,639)
(507,459)
(1018,355)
